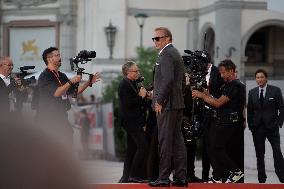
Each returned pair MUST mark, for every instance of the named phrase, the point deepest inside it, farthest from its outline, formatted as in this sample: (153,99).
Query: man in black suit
(168,103)
(6,67)
(7,86)
(265,114)
(131,106)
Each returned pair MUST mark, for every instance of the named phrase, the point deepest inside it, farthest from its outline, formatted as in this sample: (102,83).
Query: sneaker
(212,180)
(235,176)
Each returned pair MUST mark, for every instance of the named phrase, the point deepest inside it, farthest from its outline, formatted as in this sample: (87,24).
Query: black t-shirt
(48,104)
(235,91)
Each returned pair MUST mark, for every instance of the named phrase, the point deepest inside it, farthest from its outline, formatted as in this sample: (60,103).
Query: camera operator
(230,107)
(54,88)
(214,83)
(7,85)
(131,107)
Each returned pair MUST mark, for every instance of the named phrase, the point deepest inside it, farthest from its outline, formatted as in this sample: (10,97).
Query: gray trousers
(172,150)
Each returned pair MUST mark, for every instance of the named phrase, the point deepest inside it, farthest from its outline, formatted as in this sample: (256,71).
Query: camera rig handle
(79,72)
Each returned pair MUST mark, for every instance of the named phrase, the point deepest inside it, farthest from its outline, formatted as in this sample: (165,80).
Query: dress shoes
(194,179)
(180,183)
(136,180)
(160,183)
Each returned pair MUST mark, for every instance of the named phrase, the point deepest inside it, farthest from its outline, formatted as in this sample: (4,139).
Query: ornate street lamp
(140,18)
(110,32)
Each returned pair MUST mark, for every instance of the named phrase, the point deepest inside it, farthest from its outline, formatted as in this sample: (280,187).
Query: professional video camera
(83,57)
(196,67)
(22,75)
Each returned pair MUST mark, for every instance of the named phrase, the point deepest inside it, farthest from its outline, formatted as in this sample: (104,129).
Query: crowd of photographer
(192,101)
(50,96)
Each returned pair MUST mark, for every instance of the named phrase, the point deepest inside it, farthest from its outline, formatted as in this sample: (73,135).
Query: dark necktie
(261,98)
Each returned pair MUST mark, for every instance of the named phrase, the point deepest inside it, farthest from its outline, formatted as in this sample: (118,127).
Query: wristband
(70,83)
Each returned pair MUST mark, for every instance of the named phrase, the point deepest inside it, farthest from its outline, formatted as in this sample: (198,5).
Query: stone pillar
(192,32)
(67,18)
(228,35)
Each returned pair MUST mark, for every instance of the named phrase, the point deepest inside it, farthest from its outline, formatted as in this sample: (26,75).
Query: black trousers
(136,153)
(153,155)
(235,148)
(191,149)
(259,136)
(222,163)
(207,124)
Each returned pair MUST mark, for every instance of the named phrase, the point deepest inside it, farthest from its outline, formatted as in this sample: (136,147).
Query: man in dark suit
(265,114)
(7,86)
(168,104)
(131,102)
(6,67)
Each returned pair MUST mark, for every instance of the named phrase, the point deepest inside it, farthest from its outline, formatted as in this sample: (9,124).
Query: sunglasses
(158,38)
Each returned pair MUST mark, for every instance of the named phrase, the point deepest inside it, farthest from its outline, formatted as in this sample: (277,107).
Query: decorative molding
(28,3)
(28,12)
(26,24)
(193,13)
(230,52)
(158,12)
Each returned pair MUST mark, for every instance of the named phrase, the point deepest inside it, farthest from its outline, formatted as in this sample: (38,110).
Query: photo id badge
(64,97)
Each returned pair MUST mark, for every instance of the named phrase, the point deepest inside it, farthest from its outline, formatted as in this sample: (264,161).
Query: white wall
(253,17)
(94,16)
(275,5)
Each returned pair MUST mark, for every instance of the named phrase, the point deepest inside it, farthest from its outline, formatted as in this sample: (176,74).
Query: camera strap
(56,74)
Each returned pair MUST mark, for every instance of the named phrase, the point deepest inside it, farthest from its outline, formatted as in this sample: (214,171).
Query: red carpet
(191,186)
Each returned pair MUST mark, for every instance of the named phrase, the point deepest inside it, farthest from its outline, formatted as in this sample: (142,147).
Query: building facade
(245,31)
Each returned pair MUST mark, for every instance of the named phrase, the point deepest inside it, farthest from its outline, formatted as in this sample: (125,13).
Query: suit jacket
(270,113)
(131,105)
(169,72)
(4,98)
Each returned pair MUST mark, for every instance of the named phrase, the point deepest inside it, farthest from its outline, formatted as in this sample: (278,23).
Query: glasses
(9,65)
(158,38)
(134,71)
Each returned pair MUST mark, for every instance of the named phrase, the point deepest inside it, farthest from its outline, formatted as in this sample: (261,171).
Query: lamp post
(110,32)
(140,19)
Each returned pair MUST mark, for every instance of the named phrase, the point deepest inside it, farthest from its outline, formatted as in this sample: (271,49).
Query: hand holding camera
(76,79)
